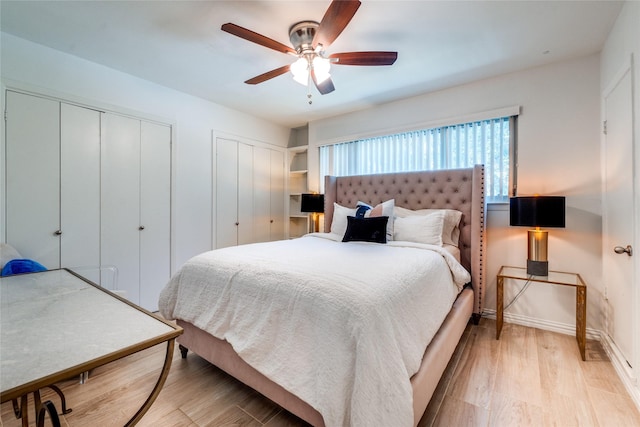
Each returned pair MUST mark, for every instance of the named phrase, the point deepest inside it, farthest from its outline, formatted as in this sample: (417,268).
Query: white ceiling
(440,44)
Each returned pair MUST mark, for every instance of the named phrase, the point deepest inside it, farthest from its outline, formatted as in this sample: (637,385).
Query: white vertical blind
(485,142)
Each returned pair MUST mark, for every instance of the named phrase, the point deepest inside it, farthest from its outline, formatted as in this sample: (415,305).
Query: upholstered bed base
(424,382)
(461,189)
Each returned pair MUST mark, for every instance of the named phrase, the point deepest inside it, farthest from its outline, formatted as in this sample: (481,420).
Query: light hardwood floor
(529,377)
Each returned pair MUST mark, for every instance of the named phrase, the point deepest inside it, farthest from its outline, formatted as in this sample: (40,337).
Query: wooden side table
(554,278)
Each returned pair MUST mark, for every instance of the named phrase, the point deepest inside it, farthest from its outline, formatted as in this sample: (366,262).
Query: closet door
(80,190)
(234,193)
(120,214)
(33,177)
(262,194)
(155,212)
(276,193)
(226,193)
(245,194)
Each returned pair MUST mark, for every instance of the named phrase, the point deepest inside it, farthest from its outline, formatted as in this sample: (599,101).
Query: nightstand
(554,278)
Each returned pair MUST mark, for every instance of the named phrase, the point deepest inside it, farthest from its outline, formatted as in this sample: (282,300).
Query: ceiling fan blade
(254,37)
(364,58)
(268,75)
(325,87)
(335,19)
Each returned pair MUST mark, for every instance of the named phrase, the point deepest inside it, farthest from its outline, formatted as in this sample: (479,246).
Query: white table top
(55,323)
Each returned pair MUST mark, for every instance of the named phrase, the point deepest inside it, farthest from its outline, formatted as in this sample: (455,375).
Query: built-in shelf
(298,184)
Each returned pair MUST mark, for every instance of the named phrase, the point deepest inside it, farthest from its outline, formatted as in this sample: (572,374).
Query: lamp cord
(524,288)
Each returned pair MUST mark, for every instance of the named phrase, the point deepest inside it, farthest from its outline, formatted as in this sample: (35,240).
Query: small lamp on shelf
(313,203)
(537,211)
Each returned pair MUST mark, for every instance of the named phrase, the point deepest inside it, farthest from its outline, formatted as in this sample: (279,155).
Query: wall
(624,41)
(559,146)
(40,69)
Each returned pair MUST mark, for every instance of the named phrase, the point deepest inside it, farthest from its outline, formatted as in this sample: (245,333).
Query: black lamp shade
(537,211)
(312,203)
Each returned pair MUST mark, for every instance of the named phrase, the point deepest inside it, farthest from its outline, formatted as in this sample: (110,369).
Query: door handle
(57,233)
(620,250)
(141,228)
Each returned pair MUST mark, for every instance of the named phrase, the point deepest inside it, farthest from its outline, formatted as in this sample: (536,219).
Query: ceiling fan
(309,40)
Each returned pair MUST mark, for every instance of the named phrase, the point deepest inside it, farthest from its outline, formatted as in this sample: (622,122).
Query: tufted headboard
(460,189)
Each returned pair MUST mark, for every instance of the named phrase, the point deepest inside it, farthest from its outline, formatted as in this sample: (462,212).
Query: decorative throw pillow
(420,229)
(381,209)
(339,221)
(373,229)
(452,217)
(21,266)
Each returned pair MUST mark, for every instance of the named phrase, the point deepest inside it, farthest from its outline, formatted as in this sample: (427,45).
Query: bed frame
(460,189)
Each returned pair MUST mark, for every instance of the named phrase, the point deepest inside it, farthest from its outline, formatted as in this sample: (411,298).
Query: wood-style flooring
(529,377)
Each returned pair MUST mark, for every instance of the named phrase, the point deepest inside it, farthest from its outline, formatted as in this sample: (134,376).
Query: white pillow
(382,209)
(420,228)
(339,221)
(452,217)
(7,253)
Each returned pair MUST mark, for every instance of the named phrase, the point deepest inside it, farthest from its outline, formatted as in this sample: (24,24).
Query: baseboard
(562,328)
(619,363)
(622,369)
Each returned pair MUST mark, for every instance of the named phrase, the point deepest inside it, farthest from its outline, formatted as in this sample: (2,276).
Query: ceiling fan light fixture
(300,71)
(321,68)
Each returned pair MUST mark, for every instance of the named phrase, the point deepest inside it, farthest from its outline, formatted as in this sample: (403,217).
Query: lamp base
(538,268)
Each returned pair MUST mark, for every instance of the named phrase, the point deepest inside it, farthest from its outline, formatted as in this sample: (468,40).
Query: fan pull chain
(309,86)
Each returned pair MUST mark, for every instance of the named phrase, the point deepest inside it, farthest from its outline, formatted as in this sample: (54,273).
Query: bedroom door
(621,292)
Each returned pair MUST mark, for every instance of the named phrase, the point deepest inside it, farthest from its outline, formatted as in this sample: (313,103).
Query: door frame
(627,374)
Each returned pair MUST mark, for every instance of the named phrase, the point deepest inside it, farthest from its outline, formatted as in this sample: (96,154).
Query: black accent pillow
(372,229)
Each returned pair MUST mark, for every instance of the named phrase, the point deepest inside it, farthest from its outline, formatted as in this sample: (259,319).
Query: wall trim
(547,325)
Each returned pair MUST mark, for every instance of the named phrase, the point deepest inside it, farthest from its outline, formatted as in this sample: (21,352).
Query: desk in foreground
(56,325)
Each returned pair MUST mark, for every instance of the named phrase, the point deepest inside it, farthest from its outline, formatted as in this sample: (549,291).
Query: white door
(120,214)
(33,177)
(80,190)
(618,221)
(245,194)
(155,212)
(262,193)
(226,193)
(277,195)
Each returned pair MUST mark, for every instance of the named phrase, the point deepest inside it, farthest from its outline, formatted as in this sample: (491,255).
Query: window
(488,142)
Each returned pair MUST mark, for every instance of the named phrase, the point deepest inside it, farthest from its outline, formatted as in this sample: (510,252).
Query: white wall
(559,146)
(26,65)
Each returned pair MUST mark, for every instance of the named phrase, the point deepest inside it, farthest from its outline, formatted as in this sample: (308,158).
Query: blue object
(20,266)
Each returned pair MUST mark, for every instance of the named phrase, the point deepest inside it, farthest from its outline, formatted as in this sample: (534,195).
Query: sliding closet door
(120,220)
(33,177)
(155,212)
(80,190)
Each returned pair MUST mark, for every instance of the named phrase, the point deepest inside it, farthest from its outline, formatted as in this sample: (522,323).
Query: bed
(301,368)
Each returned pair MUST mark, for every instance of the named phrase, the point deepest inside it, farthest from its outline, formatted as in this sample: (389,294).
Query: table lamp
(313,203)
(537,211)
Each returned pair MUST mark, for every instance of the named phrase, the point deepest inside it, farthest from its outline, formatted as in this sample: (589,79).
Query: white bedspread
(341,325)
